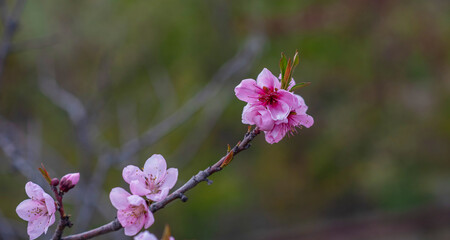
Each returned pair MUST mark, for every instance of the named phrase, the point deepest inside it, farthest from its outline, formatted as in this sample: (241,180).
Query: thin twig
(236,66)
(201,176)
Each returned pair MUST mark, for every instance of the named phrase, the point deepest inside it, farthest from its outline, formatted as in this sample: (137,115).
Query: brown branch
(179,193)
(64,220)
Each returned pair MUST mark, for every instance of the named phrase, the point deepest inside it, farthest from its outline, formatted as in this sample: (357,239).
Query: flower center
(269,96)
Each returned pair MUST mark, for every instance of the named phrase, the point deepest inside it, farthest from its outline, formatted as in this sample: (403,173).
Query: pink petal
(293,100)
(257,115)
(25,209)
(118,197)
(131,173)
(73,177)
(279,110)
(155,167)
(247,115)
(275,135)
(264,121)
(139,188)
(149,219)
(248,91)
(34,191)
(50,222)
(136,200)
(134,228)
(306,120)
(37,227)
(291,84)
(163,192)
(50,204)
(267,79)
(145,236)
(171,178)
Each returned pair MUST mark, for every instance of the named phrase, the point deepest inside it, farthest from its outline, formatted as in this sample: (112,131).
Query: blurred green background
(375,165)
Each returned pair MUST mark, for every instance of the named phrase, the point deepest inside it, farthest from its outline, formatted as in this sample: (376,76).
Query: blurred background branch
(93,86)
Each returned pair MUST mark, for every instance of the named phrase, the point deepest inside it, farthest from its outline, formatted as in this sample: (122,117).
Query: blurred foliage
(380,97)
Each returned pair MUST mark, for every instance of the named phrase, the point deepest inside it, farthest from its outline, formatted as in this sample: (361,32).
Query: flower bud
(54,182)
(69,181)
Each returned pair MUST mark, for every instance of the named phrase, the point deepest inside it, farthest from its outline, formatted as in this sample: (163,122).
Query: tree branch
(179,193)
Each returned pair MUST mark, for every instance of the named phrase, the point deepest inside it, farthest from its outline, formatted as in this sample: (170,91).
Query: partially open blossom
(296,118)
(132,211)
(257,115)
(39,210)
(69,181)
(266,91)
(154,182)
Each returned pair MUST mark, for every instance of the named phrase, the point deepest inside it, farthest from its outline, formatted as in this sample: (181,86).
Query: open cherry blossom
(148,236)
(266,91)
(154,182)
(132,211)
(39,210)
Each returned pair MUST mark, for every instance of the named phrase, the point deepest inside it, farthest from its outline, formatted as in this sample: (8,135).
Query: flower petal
(267,79)
(118,197)
(259,115)
(159,195)
(131,173)
(49,204)
(27,209)
(145,236)
(135,227)
(34,191)
(136,200)
(305,120)
(276,134)
(149,219)
(248,91)
(37,227)
(279,110)
(139,188)
(50,222)
(155,167)
(170,179)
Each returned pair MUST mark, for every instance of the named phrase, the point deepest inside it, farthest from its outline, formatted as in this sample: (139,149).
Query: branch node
(183,197)
(208,181)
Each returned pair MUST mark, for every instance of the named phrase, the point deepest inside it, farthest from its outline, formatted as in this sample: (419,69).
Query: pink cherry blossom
(148,236)
(265,91)
(296,118)
(132,211)
(257,115)
(145,236)
(154,182)
(69,181)
(39,210)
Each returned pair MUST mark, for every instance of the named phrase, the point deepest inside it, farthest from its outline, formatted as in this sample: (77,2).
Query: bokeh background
(92,86)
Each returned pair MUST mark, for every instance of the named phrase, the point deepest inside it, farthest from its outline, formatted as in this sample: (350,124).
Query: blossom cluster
(150,184)
(274,110)
(40,209)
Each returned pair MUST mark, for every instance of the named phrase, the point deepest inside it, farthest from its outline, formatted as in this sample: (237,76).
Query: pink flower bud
(69,181)
(54,182)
